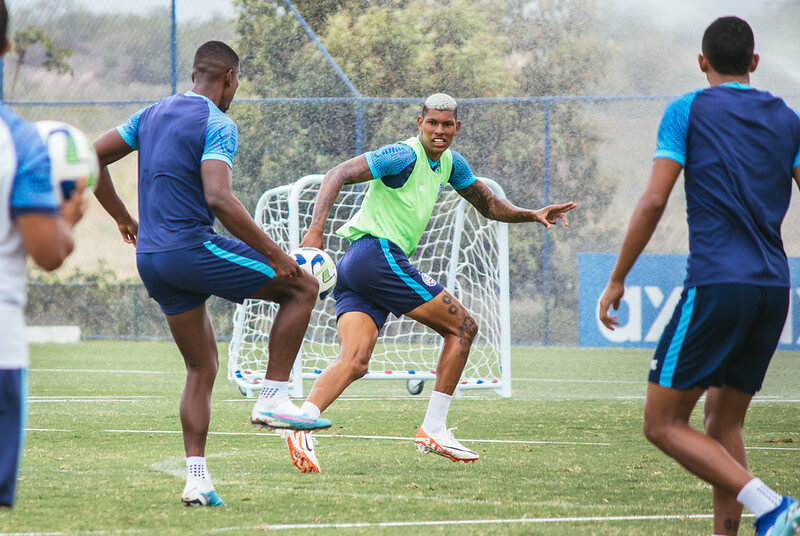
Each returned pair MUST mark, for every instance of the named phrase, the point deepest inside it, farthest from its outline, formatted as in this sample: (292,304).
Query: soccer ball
(320,265)
(72,158)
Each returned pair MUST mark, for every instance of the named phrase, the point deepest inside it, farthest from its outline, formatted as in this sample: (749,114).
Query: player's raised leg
(295,298)
(357,336)
(445,315)
(194,336)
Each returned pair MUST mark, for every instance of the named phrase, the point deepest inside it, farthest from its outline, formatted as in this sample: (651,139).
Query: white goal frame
(247,352)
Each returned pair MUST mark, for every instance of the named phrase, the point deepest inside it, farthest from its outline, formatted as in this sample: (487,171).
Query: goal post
(461,249)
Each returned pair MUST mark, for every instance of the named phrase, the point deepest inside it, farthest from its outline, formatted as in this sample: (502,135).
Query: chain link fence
(592,150)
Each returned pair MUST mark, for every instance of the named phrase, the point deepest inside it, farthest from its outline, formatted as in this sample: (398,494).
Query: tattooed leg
(445,315)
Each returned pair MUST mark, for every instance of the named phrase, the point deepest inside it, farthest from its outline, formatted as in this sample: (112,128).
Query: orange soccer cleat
(444,444)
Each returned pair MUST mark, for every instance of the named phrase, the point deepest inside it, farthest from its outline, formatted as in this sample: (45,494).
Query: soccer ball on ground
(72,158)
(320,265)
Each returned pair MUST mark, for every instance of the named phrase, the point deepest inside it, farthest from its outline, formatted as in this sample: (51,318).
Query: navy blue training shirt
(173,136)
(738,147)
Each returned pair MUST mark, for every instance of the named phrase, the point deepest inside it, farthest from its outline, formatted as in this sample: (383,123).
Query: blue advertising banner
(652,289)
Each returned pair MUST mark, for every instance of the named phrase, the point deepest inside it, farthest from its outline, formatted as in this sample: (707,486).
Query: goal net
(462,250)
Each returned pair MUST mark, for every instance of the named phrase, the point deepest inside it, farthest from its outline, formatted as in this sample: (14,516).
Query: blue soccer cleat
(784,520)
(192,496)
(284,416)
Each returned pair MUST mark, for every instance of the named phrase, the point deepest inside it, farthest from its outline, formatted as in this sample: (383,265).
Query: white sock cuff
(310,409)
(274,389)
(438,394)
(758,497)
(436,417)
(196,467)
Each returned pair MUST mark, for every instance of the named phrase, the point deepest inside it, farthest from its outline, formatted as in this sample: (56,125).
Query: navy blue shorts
(375,277)
(13,394)
(722,334)
(182,279)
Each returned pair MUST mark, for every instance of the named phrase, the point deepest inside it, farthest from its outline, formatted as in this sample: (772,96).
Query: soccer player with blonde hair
(375,277)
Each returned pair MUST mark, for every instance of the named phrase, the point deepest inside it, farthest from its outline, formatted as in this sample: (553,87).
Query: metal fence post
(546,234)
(137,333)
(339,72)
(174,51)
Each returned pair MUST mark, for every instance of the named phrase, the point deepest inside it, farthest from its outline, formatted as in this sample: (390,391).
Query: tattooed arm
(351,171)
(495,208)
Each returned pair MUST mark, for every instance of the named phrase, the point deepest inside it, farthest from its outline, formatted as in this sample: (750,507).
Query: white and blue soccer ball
(320,265)
(72,157)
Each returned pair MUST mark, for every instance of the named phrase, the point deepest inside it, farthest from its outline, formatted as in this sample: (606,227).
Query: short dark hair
(3,21)
(728,45)
(214,58)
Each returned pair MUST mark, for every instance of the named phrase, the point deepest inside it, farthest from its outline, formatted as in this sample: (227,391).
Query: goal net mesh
(460,249)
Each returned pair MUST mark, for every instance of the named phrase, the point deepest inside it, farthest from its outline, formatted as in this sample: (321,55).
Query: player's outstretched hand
(610,298)
(284,266)
(550,214)
(312,239)
(73,209)
(129,229)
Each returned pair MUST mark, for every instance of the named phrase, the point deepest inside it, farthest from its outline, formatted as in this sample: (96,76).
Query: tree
(401,48)
(55,57)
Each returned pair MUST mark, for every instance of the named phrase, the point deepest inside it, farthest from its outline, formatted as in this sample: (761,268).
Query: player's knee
(207,368)
(656,432)
(652,430)
(469,329)
(356,368)
(359,370)
(309,288)
(355,362)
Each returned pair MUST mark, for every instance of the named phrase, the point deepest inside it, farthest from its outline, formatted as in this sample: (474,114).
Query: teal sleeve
(672,131)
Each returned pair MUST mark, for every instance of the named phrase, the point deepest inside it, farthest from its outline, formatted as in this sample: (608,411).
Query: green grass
(87,479)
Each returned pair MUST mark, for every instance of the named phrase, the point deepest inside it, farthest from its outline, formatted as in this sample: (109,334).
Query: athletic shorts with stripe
(182,279)
(721,334)
(375,277)
(13,394)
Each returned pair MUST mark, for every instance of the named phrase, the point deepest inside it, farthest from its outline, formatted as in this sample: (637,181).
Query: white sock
(197,472)
(436,417)
(273,389)
(310,409)
(758,497)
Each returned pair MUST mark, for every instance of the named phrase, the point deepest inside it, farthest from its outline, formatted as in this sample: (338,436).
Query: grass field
(565,455)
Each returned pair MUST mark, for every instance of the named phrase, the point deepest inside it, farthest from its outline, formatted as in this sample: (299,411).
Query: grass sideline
(103,456)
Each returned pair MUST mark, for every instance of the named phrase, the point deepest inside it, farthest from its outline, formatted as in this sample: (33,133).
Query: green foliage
(105,307)
(55,56)
(125,55)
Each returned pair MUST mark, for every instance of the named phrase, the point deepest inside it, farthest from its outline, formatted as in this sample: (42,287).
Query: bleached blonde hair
(441,102)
